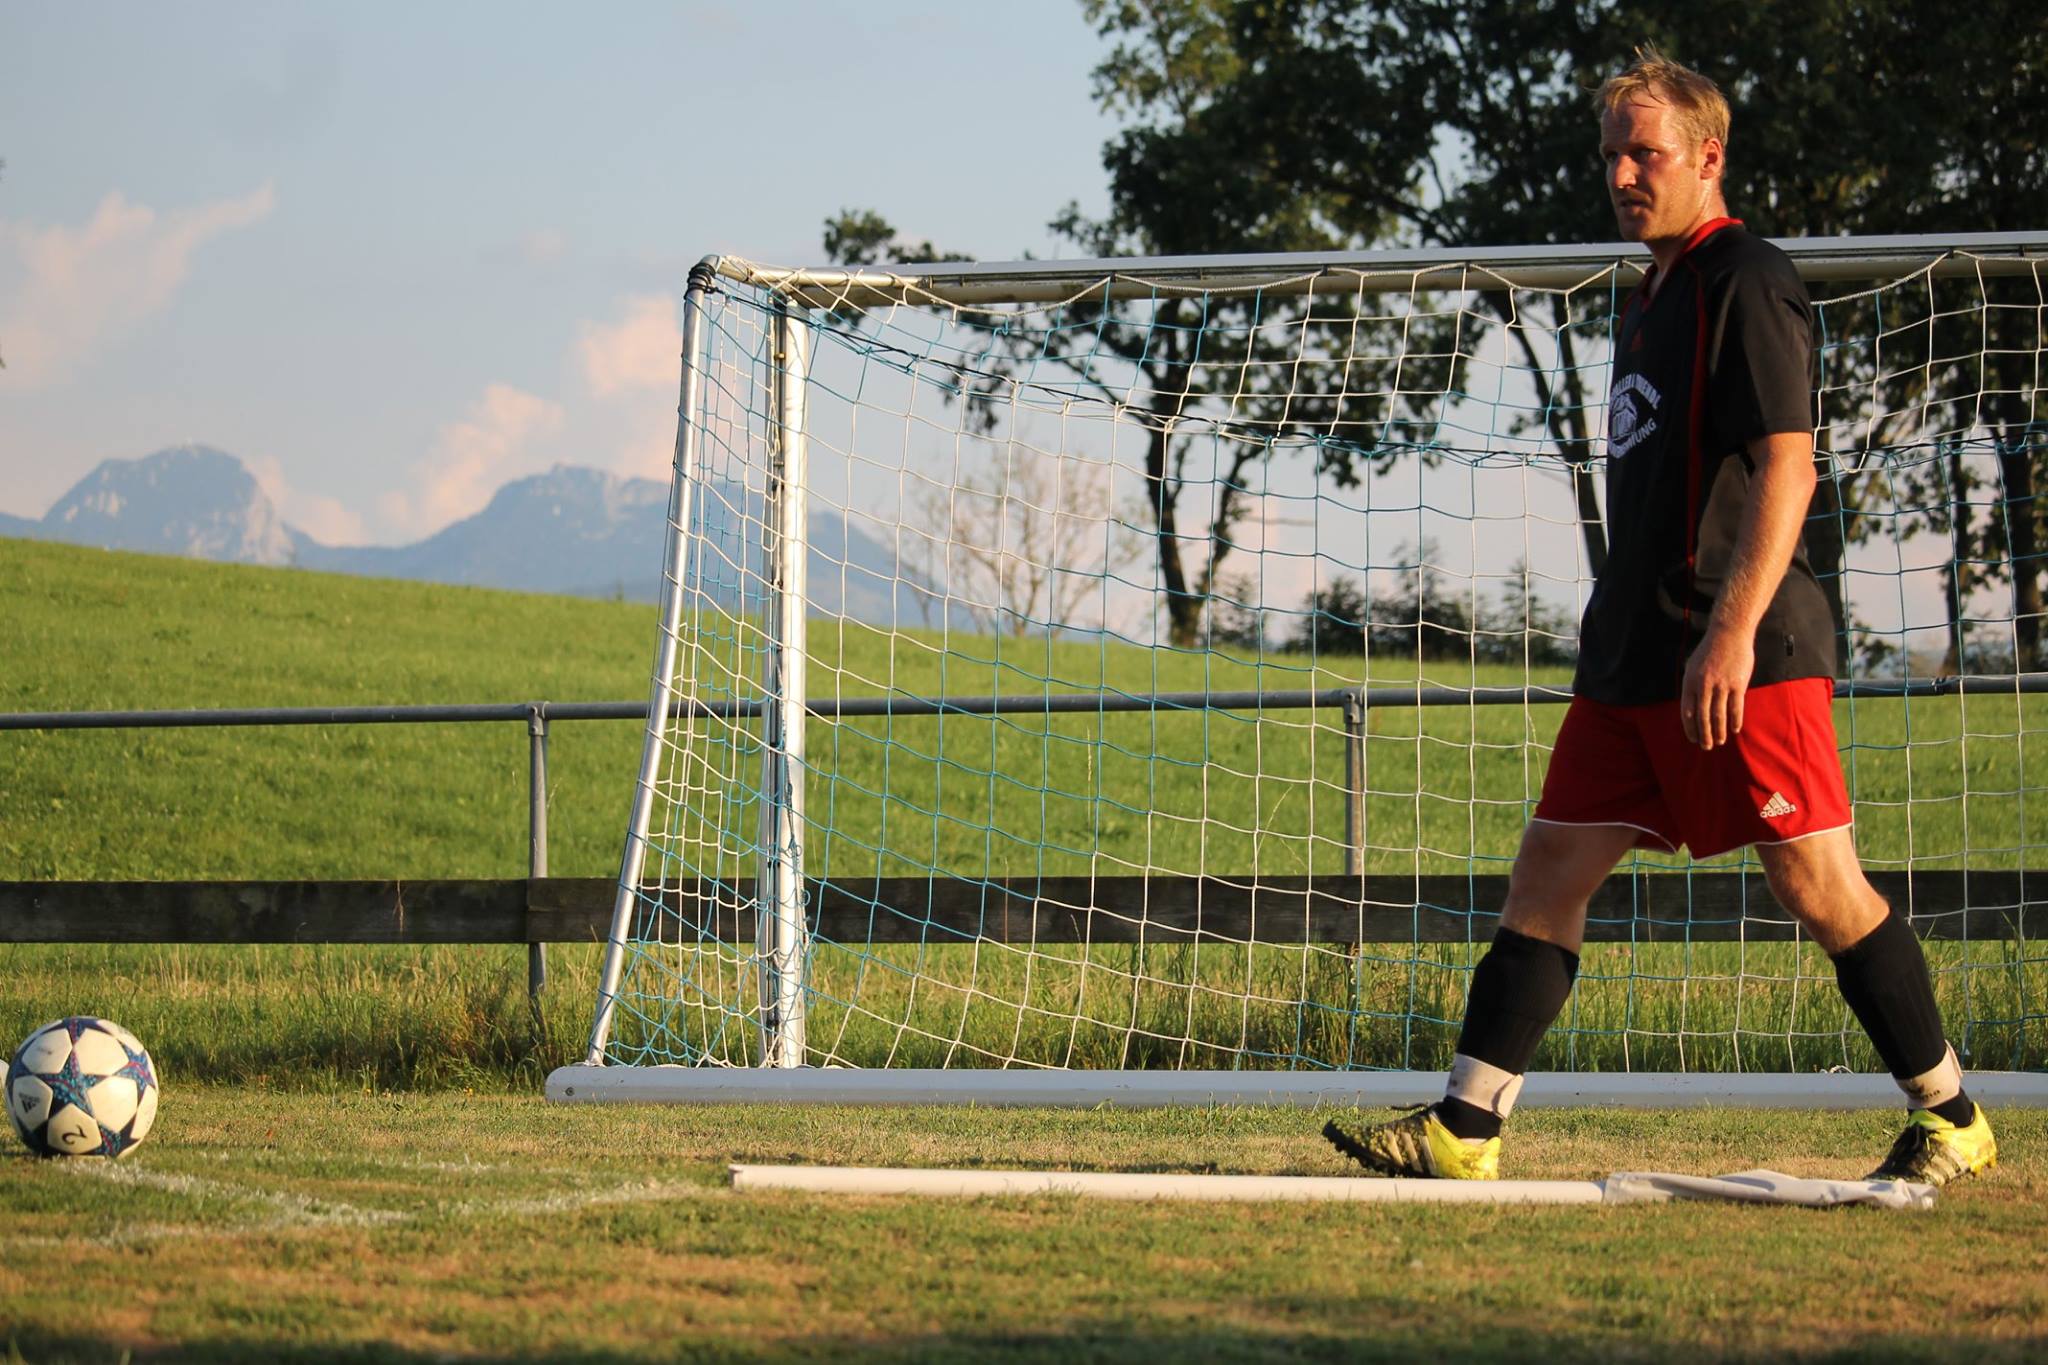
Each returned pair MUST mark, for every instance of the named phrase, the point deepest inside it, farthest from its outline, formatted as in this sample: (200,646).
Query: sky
(393,255)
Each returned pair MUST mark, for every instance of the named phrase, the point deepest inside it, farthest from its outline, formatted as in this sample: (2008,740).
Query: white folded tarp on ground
(1765,1187)
(1753,1187)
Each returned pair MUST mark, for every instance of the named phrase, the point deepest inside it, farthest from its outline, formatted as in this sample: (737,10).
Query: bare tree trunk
(1827,537)
(1229,494)
(1183,609)
(1591,525)
(1170,375)
(1579,450)
(1577,444)
(1957,573)
(2018,452)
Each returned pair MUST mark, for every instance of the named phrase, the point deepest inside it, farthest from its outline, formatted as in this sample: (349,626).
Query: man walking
(1701,705)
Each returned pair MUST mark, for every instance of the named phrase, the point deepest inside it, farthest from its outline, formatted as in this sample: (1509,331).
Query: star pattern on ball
(88,1064)
(69,1085)
(138,1070)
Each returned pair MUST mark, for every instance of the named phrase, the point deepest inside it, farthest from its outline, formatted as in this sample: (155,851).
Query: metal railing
(538,716)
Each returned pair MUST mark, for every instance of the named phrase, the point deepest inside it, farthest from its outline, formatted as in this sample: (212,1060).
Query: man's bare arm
(1780,491)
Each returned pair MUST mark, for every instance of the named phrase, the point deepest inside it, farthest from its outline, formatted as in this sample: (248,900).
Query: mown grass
(352,1164)
(973,796)
(492,1227)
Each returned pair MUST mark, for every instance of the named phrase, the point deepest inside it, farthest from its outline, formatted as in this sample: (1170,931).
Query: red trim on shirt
(1696,426)
(1708,229)
(1696,419)
(1695,434)
(1700,234)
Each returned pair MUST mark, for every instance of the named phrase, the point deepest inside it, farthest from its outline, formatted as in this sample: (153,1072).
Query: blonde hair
(1702,108)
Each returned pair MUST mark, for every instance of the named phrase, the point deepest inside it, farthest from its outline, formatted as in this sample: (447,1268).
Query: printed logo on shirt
(1631,414)
(1777,808)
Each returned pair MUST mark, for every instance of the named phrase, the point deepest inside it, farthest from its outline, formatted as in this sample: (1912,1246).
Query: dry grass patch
(267,1226)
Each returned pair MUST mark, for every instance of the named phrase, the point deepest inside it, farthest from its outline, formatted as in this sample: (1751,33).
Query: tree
(1210,417)
(1422,612)
(1025,542)
(864,237)
(1259,125)
(1467,122)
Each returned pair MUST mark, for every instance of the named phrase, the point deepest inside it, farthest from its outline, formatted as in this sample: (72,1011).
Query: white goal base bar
(1300,1089)
(1747,1187)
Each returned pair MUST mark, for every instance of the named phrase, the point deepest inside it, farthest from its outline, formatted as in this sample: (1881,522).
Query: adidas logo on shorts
(1777,807)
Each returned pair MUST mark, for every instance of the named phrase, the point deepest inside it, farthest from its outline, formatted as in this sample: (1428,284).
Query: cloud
(647,449)
(325,519)
(632,366)
(642,350)
(543,247)
(85,287)
(471,458)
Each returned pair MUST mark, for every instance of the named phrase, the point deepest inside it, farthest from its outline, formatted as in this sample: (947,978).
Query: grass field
(492,1227)
(1228,793)
(352,1163)
(1940,782)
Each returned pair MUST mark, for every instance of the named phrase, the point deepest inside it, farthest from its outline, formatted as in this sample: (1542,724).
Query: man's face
(1659,179)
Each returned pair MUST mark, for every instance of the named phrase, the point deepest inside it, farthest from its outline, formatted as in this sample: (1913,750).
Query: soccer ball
(81,1087)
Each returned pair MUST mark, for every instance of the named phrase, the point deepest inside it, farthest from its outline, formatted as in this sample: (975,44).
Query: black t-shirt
(1720,356)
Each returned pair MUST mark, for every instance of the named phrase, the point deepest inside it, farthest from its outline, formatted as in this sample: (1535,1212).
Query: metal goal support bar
(1020,1088)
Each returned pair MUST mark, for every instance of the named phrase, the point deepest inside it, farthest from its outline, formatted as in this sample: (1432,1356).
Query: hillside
(119,631)
(103,630)
(1224,792)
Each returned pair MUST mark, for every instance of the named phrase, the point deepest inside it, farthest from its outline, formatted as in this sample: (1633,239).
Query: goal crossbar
(1820,259)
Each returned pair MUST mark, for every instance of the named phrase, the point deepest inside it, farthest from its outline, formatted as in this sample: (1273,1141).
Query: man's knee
(1556,872)
(1821,884)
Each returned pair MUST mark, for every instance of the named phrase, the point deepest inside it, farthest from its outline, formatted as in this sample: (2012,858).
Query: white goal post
(1097,679)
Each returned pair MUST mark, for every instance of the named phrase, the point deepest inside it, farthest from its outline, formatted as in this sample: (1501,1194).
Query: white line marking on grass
(639,1192)
(291,1211)
(295,1212)
(467,1165)
(303,1206)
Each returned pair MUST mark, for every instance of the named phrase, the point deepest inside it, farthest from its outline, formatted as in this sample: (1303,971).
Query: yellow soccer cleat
(1418,1145)
(1933,1151)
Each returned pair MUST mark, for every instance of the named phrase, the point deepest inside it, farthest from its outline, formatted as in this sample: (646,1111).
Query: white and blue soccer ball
(81,1087)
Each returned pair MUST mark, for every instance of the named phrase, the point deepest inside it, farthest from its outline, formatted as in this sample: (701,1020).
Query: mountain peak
(183,500)
(572,529)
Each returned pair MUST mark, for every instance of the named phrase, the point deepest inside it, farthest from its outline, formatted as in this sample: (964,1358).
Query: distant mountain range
(577,531)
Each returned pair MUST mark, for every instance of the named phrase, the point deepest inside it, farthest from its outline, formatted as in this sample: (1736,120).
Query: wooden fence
(1643,908)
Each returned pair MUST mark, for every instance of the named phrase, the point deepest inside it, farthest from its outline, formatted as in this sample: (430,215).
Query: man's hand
(1717,675)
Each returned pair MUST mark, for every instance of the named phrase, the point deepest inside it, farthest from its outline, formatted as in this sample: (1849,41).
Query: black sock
(1884,978)
(1518,990)
(1958,1111)
(1467,1120)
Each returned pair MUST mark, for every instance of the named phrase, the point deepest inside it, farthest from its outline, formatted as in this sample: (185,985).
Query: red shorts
(1779,780)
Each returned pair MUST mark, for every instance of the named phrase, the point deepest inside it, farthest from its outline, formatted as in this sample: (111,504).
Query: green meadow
(1941,783)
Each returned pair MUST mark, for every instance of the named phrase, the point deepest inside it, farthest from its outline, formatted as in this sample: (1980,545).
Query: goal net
(1153,664)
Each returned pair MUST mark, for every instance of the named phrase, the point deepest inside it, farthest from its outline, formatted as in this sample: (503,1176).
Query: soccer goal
(1130,679)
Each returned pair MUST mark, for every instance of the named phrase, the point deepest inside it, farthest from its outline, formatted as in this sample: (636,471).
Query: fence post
(1354,783)
(536,839)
